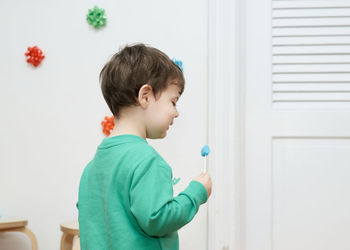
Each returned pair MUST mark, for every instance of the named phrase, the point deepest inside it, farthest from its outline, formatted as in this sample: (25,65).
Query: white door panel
(297,143)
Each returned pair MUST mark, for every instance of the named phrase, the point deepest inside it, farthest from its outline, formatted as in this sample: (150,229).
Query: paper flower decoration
(178,63)
(107,125)
(34,55)
(96,17)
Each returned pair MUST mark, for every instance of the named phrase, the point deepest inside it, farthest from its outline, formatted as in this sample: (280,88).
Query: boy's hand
(205,179)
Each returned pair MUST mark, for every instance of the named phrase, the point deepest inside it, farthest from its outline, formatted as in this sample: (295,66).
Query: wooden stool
(18,225)
(70,229)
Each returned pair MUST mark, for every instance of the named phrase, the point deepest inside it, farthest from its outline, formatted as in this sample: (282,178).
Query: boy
(125,195)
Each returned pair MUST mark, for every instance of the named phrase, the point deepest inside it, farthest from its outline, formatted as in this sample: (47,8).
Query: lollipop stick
(204,152)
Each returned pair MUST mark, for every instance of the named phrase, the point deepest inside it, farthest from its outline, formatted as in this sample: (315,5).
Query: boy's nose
(177,114)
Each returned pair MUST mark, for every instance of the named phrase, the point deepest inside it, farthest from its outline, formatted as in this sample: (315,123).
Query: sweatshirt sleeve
(152,203)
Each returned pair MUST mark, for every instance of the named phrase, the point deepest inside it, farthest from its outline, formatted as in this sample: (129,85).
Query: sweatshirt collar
(121,139)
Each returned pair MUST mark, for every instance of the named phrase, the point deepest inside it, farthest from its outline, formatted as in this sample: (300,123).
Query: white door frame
(226,123)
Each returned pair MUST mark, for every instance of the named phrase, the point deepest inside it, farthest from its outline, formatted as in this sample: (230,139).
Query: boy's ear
(145,94)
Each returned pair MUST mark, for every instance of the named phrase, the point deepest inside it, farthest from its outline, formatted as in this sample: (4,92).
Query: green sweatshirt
(126,199)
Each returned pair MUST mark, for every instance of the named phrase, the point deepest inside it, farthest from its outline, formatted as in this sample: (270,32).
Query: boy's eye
(174,103)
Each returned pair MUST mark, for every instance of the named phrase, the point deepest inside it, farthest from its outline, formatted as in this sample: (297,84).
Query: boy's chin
(158,136)
(162,136)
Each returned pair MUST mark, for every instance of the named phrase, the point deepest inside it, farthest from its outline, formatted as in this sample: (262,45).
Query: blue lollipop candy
(204,152)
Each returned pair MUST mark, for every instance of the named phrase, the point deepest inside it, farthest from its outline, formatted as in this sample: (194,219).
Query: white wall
(50,115)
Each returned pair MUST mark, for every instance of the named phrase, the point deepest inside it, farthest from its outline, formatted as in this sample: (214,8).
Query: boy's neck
(129,123)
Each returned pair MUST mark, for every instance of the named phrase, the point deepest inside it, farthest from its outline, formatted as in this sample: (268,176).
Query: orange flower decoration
(108,125)
(34,55)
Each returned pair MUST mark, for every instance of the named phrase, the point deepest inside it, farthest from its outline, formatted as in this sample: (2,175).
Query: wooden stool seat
(69,230)
(18,225)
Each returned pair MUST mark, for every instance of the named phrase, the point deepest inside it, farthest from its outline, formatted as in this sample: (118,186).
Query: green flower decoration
(96,17)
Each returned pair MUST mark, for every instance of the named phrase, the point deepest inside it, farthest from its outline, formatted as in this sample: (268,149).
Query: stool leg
(30,235)
(66,241)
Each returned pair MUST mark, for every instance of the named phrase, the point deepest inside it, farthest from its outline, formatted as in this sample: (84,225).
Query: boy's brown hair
(133,66)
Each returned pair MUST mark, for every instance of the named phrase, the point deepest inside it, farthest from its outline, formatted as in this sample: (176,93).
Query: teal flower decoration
(178,63)
(96,17)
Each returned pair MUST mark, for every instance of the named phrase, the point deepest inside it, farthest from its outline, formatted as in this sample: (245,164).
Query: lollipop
(204,152)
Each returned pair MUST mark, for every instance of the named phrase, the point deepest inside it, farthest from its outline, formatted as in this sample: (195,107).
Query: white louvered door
(297,124)
(311,54)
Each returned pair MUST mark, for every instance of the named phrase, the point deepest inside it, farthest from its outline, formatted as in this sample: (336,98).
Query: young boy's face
(161,112)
